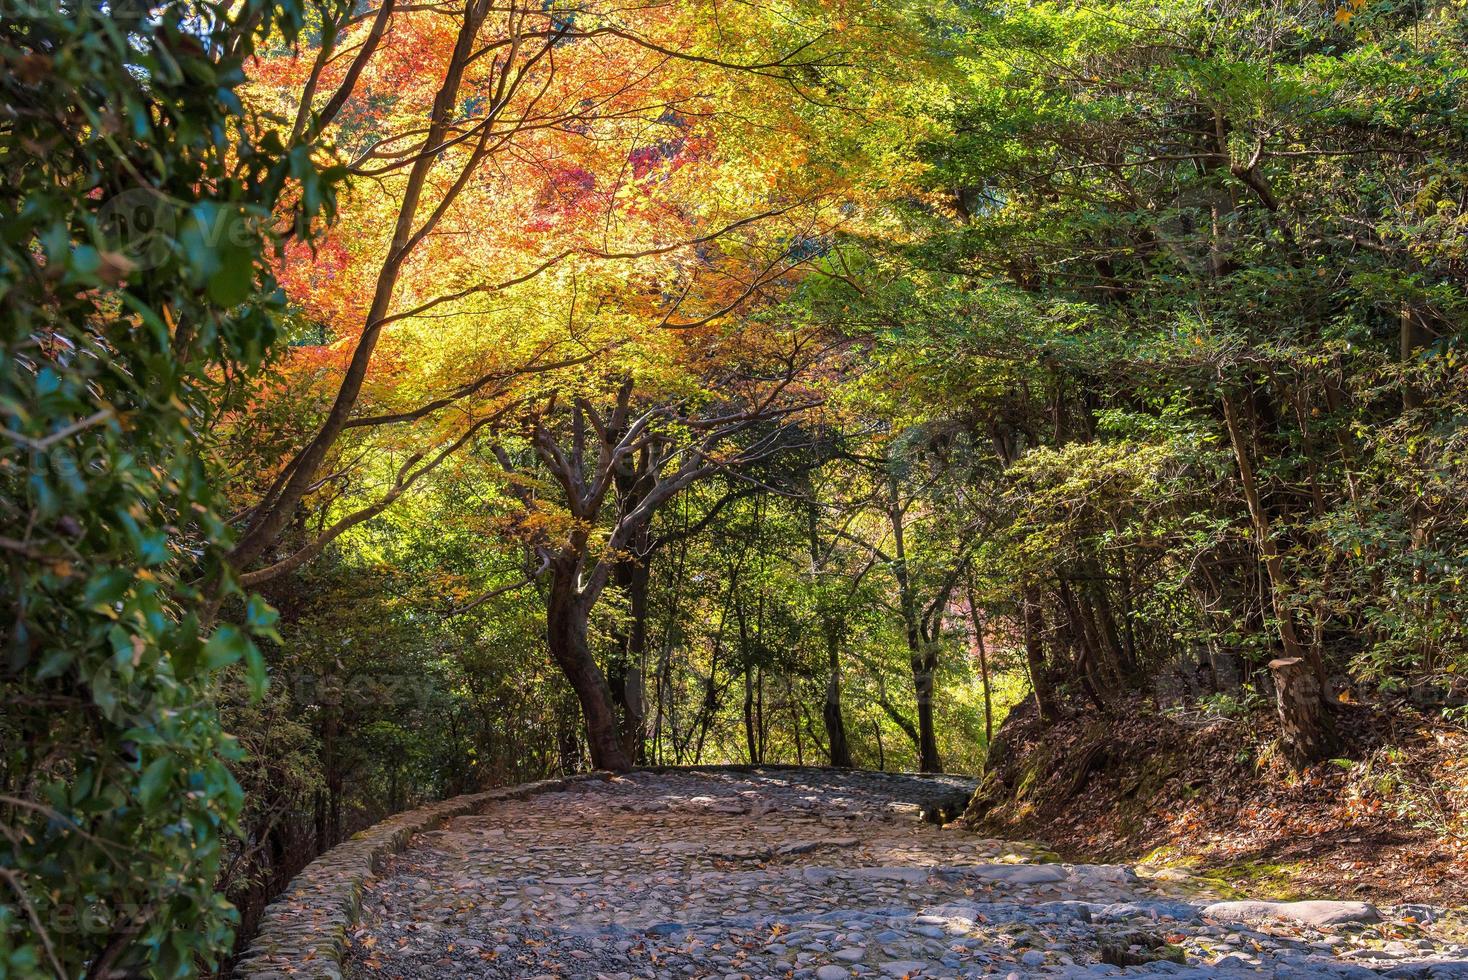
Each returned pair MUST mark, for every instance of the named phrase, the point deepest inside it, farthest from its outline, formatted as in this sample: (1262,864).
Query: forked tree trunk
(1307,734)
(566,622)
(922,655)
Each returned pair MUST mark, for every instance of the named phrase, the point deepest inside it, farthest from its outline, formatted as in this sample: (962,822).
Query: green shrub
(135,232)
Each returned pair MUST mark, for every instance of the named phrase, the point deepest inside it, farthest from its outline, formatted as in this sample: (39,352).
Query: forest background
(405,398)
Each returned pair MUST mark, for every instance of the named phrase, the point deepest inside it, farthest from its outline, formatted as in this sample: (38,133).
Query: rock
(1232,961)
(1066,910)
(1316,914)
(913,875)
(829,972)
(1372,954)
(1421,914)
(1138,949)
(1017,874)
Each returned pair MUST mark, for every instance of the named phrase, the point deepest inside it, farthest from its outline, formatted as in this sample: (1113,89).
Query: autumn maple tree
(499,155)
(533,190)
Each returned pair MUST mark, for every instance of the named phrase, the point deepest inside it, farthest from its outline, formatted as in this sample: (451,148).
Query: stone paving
(823,874)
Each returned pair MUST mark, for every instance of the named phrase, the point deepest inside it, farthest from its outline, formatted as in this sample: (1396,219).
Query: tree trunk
(1306,732)
(840,751)
(834,627)
(1279,587)
(978,626)
(566,621)
(328,807)
(751,743)
(271,519)
(922,656)
(1033,621)
(924,663)
(761,725)
(1412,338)
(624,673)
(569,748)
(1083,635)
(794,721)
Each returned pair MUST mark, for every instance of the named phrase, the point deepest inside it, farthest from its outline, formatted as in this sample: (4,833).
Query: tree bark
(751,741)
(794,721)
(1307,734)
(834,628)
(1033,621)
(922,656)
(566,627)
(624,672)
(925,662)
(840,748)
(275,515)
(1279,587)
(978,626)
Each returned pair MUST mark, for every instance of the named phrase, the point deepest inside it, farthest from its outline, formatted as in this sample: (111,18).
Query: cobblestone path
(826,875)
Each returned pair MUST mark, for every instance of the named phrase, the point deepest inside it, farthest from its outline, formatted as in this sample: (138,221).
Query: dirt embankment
(1386,822)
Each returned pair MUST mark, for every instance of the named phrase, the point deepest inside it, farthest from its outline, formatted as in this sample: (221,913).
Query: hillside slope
(1208,794)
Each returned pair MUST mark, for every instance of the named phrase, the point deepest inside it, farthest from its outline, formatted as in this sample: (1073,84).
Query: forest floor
(823,874)
(1386,822)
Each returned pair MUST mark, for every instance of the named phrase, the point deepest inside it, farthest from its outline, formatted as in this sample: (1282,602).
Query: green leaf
(155,780)
(256,675)
(235,280)
(107,589)
(54,663)
(225,647)
(259,614)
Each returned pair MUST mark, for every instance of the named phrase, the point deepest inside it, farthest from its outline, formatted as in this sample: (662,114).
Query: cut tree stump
(1306,732)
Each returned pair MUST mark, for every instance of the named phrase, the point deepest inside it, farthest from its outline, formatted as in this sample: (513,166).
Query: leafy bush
(135,232)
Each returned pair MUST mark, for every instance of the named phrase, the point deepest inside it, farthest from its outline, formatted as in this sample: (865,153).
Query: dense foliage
(1191,281)
(675,382)
(140,204)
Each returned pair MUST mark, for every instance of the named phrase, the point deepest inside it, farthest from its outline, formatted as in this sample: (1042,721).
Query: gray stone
(1317,914)
(1018,874)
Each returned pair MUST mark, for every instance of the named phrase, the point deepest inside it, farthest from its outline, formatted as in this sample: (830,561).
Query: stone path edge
(303,932)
